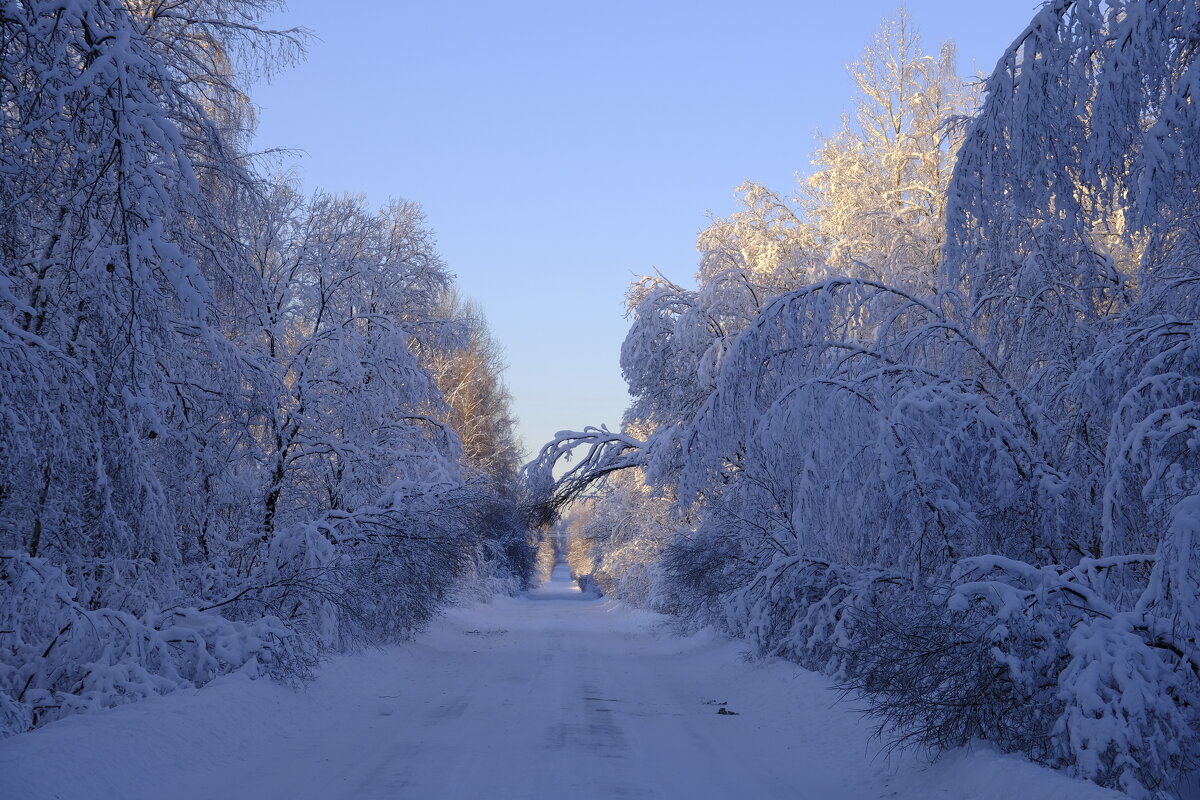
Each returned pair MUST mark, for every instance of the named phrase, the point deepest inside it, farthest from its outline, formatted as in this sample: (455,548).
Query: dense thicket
(931,426)
(223,444)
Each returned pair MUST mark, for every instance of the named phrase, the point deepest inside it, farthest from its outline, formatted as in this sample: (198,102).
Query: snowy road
(551,695)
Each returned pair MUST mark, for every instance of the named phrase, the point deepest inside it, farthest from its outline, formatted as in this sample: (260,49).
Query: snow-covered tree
(478,404)
(220,448)
(110,343)
(876,196)
(962,475)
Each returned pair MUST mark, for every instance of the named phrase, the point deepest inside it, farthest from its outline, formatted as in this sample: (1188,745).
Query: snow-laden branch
(605,452)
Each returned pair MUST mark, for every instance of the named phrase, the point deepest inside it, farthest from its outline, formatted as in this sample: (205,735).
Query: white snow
(549,694)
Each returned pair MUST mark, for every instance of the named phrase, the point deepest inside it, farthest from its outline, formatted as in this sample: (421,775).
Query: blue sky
(562,149)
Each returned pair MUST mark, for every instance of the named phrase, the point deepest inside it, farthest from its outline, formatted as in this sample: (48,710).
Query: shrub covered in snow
(61,657)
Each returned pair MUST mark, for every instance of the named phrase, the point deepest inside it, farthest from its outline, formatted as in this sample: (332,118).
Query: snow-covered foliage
(221,444)
(62,658)
(942,441)
(615,541)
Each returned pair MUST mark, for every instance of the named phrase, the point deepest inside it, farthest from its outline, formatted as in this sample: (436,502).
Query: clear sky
(561,149)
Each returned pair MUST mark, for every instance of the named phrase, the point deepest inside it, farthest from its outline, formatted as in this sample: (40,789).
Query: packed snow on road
(552,693)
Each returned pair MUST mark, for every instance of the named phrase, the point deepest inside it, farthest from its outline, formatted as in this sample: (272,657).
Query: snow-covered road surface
(552,695)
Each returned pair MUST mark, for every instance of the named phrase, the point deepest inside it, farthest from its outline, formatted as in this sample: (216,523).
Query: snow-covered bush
(810,612)
(60,657)
(1129,718)
(1055,670)
(504,560)
(940,678)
